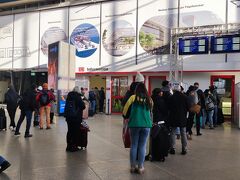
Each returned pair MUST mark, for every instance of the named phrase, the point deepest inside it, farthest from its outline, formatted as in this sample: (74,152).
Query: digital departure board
(195,45)
(225,44)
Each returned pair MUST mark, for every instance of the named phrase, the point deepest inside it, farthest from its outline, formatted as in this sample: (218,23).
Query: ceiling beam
(17,3)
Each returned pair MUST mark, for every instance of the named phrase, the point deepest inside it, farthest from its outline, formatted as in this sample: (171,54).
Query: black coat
(11,99)
(76,97)
(160,110)
(178,108)
(101,95)
(28,101)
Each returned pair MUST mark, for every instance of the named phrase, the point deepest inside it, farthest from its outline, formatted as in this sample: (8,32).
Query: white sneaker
(11,128)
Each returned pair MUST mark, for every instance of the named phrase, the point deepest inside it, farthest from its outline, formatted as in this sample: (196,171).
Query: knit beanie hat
(139,77)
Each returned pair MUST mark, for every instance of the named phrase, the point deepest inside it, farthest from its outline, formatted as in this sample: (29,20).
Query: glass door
(119,89)
(225,91)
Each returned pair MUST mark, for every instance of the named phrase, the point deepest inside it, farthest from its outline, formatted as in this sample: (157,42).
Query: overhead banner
(84,35)
(155,20)
(118,31)
(6,41)
(26,33)
(202,12)
(53,28)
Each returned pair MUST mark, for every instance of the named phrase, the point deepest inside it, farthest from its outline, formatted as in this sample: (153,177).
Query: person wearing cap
(177,110)
(44,99)
(27,105)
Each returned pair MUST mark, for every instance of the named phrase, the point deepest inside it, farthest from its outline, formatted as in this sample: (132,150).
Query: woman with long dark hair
(139,123)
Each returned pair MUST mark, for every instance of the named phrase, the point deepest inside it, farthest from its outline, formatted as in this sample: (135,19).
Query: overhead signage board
(195,45)
(225,44)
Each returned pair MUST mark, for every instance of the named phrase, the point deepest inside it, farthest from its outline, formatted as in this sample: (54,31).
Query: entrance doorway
(98,82)
(155,82)
(225,91)
(119,89)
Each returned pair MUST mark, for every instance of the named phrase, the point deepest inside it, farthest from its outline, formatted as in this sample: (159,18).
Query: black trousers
(101,104)
(198,125)
(28,115)
(73,133)
(190,123)
(12,112)
(51,117)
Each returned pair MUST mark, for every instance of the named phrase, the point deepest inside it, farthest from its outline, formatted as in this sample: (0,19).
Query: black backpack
(44,98)
(71,110)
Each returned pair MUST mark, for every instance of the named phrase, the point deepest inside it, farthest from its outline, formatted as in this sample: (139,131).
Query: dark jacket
(160,110)
(28,101)
(129,93)
(178,108)
(201,98)
(166,93)
(191,99)
(215,96)
(76,97)
(101,95)
(11,98)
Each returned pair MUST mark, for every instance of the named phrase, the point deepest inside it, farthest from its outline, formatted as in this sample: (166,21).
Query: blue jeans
(28,115)
(93,105)
(138,145)
(2,160)
(204,117)
(210,117)
(178,131)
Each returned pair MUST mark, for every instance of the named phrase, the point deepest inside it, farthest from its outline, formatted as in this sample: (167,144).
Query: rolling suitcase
(83,138)
(3,120)
(160,143)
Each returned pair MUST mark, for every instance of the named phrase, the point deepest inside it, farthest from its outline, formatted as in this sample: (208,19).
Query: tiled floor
(215,155)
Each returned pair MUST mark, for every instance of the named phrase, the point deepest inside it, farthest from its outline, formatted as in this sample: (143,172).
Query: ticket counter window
(119,89)
(225,91)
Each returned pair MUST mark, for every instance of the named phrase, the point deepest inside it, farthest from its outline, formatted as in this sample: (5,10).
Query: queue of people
(173,111)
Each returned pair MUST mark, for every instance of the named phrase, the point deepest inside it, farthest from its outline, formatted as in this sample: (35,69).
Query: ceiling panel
(5,1)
